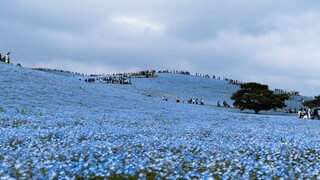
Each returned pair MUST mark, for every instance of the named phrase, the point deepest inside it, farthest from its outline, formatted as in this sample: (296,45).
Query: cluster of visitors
(231,81)
(115,79)
(188,101)
(140,74)
(283,91)
(5,58)
(195,101)
(224,103)
(120,78)
(175,72)
(308,114)
(143,74)
(203,75)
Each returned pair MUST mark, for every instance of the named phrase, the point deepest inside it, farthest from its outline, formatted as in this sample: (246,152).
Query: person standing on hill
(304,114)
(309,113)
(300,113)
(164,98)
(178,99)
(7,58)
(316,114)
(201,102)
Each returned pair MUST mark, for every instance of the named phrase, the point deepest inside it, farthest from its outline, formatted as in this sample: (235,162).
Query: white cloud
(260,40)
(131,24)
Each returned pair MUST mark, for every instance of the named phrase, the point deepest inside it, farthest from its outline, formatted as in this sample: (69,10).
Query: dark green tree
(257,97)
(312,103)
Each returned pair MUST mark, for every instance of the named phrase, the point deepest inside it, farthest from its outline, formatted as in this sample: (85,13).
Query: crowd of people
(204,75)
(114,79)
(139,74)
(188,101)
(304,113)
(143,74)
(5,58)
(198,101)
(195,101)
(283,91)
(224,103)
(231,81)
(175,72)
(120,78)
(308,113)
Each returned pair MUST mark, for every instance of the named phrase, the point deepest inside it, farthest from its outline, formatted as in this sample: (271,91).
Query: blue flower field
(55,126)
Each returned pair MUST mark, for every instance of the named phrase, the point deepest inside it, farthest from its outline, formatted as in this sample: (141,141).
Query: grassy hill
(55,126)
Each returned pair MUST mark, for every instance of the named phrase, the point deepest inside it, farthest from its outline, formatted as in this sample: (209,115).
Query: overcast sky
(275,42)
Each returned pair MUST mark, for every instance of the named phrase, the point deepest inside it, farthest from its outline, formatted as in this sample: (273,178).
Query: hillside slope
(55,126)
(37,89)
(184,87)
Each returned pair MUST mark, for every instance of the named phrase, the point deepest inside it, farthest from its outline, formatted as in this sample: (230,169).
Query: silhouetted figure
(201,102)
(315,114)
(8,55)
(164,98)
(6,58)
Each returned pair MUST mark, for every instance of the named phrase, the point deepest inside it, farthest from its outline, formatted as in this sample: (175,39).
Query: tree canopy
(257,97)
(312,103)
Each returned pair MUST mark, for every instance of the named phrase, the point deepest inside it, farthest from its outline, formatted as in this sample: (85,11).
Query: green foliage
(2,110)
(312,103)
(17,123)
(22,111)
(257,97)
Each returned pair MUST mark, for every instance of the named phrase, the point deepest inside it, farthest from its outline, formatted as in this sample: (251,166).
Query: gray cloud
(270,41)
